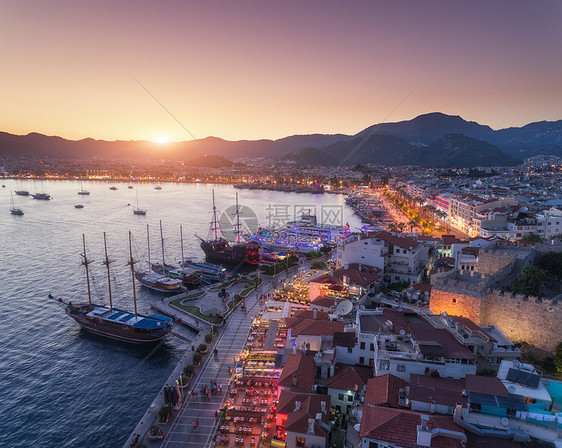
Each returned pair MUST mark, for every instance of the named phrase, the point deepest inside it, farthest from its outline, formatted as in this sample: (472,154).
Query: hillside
(412,141)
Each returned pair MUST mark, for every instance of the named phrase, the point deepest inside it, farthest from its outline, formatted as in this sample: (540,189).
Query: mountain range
(433,140)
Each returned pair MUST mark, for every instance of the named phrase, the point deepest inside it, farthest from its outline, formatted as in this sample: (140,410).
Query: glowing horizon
(270,70)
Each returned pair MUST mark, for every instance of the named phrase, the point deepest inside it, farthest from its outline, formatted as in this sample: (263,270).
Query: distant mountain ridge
(432,139)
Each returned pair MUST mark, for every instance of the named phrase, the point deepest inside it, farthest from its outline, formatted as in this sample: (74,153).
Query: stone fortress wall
(474,294)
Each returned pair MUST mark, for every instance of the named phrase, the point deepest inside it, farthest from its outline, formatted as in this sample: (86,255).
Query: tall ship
(159,281)
(112,322)
(219,249)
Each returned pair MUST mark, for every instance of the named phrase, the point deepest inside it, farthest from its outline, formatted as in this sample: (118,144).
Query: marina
(69,357)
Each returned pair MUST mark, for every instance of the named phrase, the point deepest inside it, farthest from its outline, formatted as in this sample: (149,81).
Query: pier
(229,342)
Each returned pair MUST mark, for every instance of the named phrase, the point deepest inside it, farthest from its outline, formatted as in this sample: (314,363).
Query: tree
(533,238)
(551,262)
(320,265)
(532,277)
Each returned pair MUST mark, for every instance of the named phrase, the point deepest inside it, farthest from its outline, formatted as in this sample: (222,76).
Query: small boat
(82,191)
(13,209)
(41,196)
(113,188)
(130,187)
(158,187)
(112,322)
(208,271)
(21,192)
(136,209)
(78,206)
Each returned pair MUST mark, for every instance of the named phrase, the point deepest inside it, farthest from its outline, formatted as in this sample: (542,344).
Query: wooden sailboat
(112,322)
(219,249)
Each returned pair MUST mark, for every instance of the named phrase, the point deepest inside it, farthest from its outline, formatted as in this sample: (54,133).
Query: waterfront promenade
(180,432)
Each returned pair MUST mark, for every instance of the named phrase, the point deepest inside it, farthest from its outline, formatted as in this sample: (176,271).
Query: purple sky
(271,69)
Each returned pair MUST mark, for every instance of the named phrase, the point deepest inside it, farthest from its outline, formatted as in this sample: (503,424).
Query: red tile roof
(344,339)
(404,243)
(355,276)
(450,239)
(297,421)
(347,377)
(490,385)
(306,314)
(471,326)
(422,287)
(444,391)
(399,427)
(299,372)
(423,331)
(323,301)
(312,327)
(384,390)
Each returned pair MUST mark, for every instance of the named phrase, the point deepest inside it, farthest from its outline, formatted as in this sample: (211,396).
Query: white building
(400,259)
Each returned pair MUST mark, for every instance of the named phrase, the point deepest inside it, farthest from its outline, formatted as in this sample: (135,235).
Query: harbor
(193,420)
(132,375)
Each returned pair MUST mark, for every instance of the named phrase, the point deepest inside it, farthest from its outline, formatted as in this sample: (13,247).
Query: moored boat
(82,191)
(219,249)
(136,209)
(160,282)
(13,209)
(41,196)
(115,323)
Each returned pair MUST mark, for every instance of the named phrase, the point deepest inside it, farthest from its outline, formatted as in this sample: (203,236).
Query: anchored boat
(112,322)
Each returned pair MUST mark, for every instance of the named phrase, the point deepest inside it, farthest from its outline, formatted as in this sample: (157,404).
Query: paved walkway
(180,432)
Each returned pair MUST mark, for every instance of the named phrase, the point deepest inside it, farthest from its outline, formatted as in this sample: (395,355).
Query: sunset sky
(264,69)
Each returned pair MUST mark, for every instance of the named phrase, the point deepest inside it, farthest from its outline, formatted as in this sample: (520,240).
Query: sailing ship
(112,322)
(136,209)
(41,196)
(160,282)
(13,209)
(21,192)
(221,250)
(82,191)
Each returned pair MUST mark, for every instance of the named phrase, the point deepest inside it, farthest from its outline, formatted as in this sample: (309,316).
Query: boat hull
(113,330)
(236,254)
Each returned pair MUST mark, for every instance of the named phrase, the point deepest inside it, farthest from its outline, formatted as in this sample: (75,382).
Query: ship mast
(237,220)
(181,242)
(162,238)
(148,247)
(85,263)
(132,264)
(215,225)
(107,262)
